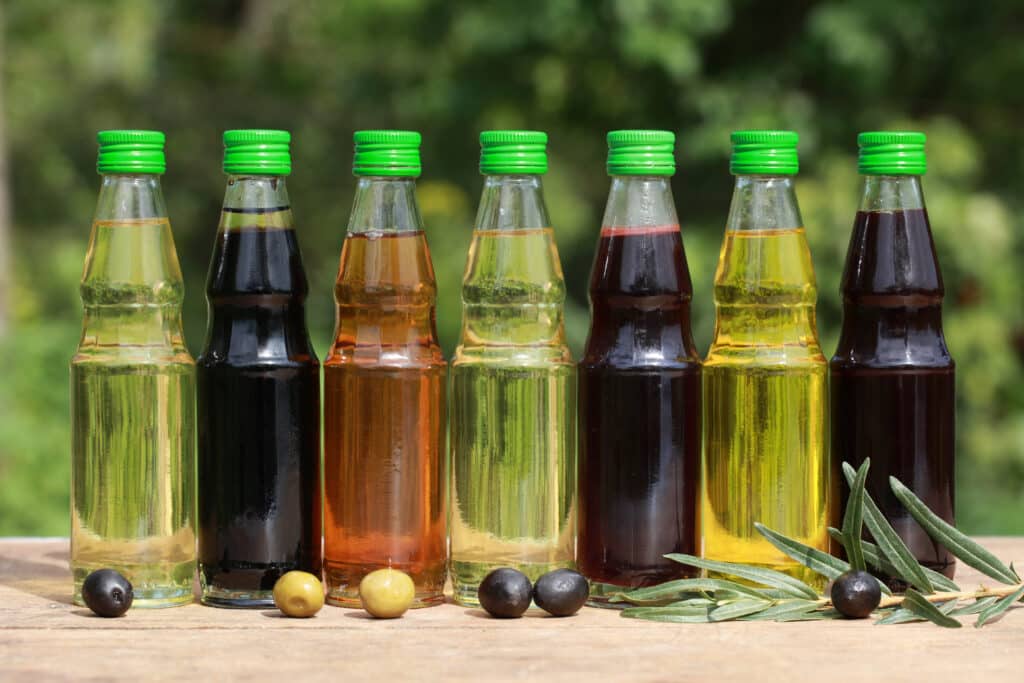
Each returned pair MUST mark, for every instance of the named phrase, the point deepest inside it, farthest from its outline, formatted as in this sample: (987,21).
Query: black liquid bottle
(258,393)
(639,382)
(892,375)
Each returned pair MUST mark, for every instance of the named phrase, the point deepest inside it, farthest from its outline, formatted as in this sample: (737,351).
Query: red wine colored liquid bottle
(639,382)
(892,375)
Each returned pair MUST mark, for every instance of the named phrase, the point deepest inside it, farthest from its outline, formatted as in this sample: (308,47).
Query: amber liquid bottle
(639,382)
(384,402)
(258,392)
(892,375)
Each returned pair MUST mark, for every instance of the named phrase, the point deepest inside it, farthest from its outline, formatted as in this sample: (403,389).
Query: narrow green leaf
(670,618)
(669,613)
(677,590)
(995,609)
(874,557)
(853,519)
(972,554)
(765,577)
(784,610)
(812,558)
(902,615)
(978,605)
(903,562)
(838,537)
(740,608)
(917,604)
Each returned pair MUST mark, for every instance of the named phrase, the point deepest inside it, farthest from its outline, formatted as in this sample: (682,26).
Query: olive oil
(765,395)
(513,382)
(132,388)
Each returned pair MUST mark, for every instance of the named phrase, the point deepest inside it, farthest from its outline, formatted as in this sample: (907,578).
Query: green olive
(299,594)
(386,593)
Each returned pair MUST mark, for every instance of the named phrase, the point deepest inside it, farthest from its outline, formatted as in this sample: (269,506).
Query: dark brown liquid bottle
(893,393)
(639,383)
(258,391)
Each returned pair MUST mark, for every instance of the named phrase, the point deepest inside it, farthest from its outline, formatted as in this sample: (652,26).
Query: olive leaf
(816,560)
(972,554)
(920,606)
(765,577)
(676,590)
(874,557)
(903,615)
(785,610)
(740,608)
(889,542)
(854,518)
(997,608)
(780,597)
(975,607)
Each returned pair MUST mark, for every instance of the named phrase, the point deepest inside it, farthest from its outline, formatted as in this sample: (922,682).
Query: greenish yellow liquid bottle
(132,388)
(513,382)
(765,395)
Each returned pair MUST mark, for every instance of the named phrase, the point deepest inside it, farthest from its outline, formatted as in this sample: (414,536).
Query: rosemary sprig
(767,595)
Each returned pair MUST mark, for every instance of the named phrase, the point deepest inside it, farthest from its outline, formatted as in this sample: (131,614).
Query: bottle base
(466,576)
(352,601)
(342,579)
(247,600)
(148,600)
(154,585)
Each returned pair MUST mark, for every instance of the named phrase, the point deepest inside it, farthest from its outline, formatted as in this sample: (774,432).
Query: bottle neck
(639,202)
(890,193)
(130,197)
(256,202)
(385,205)
(131,286)
(892,285)
(512,202)
(764,202)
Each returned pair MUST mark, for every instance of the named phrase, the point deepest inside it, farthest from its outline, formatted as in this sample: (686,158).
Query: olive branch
(768,595)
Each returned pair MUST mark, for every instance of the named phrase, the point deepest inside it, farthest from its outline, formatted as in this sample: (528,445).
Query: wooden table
(43,637)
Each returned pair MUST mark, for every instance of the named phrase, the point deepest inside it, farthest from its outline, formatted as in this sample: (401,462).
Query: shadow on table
(49,581)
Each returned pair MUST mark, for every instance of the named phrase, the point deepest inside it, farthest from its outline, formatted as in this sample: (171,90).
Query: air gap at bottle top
(513,381)
(132,387)
(639,381)
(765,398)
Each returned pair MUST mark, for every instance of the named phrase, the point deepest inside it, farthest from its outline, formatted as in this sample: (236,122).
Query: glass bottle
(384,386)
(132,384)
(258,388)
(639,381)
(893,385)
(513,381)
(765,396)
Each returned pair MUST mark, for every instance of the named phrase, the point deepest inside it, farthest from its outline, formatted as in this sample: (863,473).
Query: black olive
(561,592)
(107,593)
(856,594)
(505,593)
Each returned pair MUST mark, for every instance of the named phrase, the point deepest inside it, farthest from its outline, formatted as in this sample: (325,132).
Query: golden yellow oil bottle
(765,394)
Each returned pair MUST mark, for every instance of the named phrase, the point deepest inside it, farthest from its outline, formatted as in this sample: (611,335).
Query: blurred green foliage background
(576,69)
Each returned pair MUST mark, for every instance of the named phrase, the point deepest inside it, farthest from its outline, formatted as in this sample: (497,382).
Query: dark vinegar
(259,430)
(639,413)
(893,377)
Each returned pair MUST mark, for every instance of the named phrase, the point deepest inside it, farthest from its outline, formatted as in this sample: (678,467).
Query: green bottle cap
(891,153)
(764,152)
(505,152)
(131,151)
(641,152)
(257,152)
(393,153)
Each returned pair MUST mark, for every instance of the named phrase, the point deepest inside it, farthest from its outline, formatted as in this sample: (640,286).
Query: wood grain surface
(45,638)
